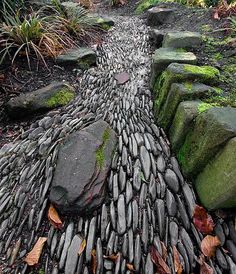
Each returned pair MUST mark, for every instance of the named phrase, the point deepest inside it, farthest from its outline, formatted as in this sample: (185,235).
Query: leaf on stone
(202,220)
(177,262)
(122,77)
(164,251)
(82,247)
(94,261)
(33,256)
(112,257)
(130,267)
(54,218)
(159,262)
(209,245)
(204,267)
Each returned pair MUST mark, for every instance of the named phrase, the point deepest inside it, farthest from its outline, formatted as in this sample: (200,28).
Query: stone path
(148,200)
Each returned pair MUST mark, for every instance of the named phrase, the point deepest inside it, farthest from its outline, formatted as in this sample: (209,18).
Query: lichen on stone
(60,98)
(188,86)
(204,106)
(100,157)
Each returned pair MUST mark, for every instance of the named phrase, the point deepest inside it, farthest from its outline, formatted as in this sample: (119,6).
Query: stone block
(157,16)
(211,130)
(216,184)
(182,39)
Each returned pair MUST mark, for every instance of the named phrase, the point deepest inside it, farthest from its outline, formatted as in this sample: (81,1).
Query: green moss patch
(100,156)
(145,4)
(203,107)
(208,71)
(61,98)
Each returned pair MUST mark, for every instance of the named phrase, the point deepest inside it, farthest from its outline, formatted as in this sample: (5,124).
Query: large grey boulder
(79,182)
(211,130)
(54,95)
(182,39)
(216,185)
(81,57)
(157,16)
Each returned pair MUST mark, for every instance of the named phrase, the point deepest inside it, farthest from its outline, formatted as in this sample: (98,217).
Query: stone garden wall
(202,134)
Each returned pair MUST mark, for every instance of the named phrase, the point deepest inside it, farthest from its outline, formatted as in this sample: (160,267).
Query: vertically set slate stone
(83,164)
(157,16)
(182,39)
(54,95)
(212,129)
(216,185)
(82,57)
(181,92)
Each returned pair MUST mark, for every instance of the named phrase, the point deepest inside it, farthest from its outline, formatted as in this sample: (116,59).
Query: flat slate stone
(163,57)
(82,57)
(157,16)
(212,129)
(83,164)
(56,94)
(216,184)
(180,92)
(182,39)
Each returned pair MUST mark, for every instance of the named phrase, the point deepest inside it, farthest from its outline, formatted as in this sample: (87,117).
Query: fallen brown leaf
(209,245)
(204,267)
(33,256)
(94,261)
(122,77)
(159,262)
(202,220)
(82,247)
(112,257)
(177,262)
(54,218)
(164,251)
(130,267)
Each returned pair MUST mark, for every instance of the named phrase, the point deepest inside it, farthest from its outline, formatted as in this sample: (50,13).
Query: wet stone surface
(148,201)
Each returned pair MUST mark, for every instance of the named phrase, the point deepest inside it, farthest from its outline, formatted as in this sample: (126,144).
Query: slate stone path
(148,200)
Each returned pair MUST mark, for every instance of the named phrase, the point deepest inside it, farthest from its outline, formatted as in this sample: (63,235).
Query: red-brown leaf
(94,261)
(122,77)
(33,256)
(164,251)
(82,247)
(202,220)
(177,262)
(209,245)
(204,267)
(159,262)
(54,218)
(112,257)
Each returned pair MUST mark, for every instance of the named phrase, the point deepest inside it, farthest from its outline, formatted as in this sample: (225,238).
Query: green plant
(31,35)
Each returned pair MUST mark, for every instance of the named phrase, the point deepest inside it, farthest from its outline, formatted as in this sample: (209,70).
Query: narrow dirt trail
(148,200)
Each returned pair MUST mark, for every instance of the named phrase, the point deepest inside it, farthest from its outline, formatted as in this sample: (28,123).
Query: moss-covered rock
(163,57)
(180,92)
(183,121)
(212,129)
(103,23)
(216,185)
(81,57)
(54,95)
(182,39)
(176,73)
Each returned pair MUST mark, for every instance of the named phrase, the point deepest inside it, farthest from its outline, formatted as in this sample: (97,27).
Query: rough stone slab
(104,23)
(176,73)
(180,92)
(163,57)
(83,164)
(182,39)
(183,122)
(82,57)
(211,130)
(54,95)
(216,185)
(157,16)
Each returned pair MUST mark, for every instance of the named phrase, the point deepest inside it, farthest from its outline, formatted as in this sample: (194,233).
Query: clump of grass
(31,35)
